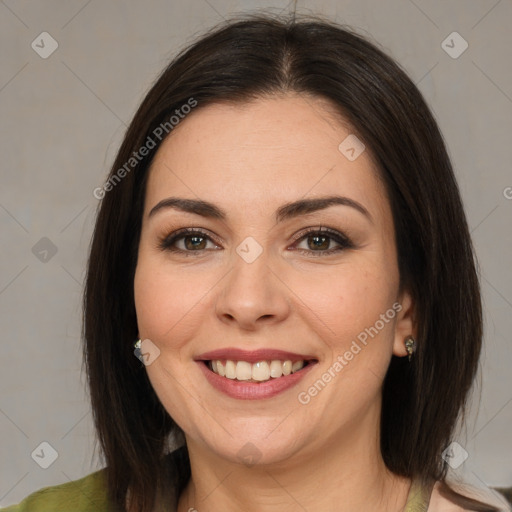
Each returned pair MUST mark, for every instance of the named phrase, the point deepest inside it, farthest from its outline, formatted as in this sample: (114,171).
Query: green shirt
(84,495)
(89,494)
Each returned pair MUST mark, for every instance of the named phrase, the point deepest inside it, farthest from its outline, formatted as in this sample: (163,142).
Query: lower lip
(243,390)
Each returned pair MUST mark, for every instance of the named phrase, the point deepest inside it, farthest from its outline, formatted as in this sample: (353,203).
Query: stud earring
(137,351)
(410,345)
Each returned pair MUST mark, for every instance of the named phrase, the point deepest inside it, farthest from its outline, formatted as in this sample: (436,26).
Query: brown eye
(318,241)
(194,240)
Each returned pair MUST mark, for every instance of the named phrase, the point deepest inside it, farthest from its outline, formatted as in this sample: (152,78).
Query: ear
(405,323)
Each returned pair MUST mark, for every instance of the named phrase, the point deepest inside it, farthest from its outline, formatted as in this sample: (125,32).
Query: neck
(345,473)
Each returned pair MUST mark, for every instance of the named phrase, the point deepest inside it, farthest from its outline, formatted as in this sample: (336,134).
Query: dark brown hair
(245,59)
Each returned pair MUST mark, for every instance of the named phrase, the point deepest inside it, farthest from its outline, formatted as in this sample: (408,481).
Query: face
(260,288)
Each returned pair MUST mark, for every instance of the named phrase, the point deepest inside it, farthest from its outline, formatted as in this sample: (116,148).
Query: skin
(250,159)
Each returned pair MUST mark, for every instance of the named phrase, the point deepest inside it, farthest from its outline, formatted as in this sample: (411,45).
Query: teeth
(260,372)
(243,370)
(297,366)
(276,369)
(230,370)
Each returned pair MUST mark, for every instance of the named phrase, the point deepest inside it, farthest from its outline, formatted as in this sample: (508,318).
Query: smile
(260,371)
(254,374)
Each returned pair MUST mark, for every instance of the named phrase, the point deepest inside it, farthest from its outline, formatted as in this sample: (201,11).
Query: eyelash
(165,243)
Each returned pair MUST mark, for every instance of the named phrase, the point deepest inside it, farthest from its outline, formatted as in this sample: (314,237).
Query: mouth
(258,374)
(260,371)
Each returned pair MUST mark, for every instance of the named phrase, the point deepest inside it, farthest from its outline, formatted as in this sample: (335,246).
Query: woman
(281,244)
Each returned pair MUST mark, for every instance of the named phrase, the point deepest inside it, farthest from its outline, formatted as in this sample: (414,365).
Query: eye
(321,239)
(195,240)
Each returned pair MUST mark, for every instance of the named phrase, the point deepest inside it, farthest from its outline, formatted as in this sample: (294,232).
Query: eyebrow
(285,212)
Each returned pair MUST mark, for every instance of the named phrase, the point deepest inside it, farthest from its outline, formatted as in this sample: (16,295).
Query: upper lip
(252,356)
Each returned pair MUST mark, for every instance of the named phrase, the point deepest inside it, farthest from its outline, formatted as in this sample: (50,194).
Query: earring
(410,345)
(137,351)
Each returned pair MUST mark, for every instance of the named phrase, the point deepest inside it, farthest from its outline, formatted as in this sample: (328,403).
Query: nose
(252,294)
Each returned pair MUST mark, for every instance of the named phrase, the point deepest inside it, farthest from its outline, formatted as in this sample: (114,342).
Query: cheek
(166,301)
(346,299)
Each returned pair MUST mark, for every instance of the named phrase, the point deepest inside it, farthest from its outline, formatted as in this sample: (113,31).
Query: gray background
(62,119)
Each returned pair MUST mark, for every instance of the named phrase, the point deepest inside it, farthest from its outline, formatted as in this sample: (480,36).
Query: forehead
(263,153)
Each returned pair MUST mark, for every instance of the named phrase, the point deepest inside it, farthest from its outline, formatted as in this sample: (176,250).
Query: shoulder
(440,503)
(456,497)
(87,493)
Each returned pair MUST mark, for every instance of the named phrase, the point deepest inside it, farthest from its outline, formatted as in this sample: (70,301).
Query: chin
(261,445)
